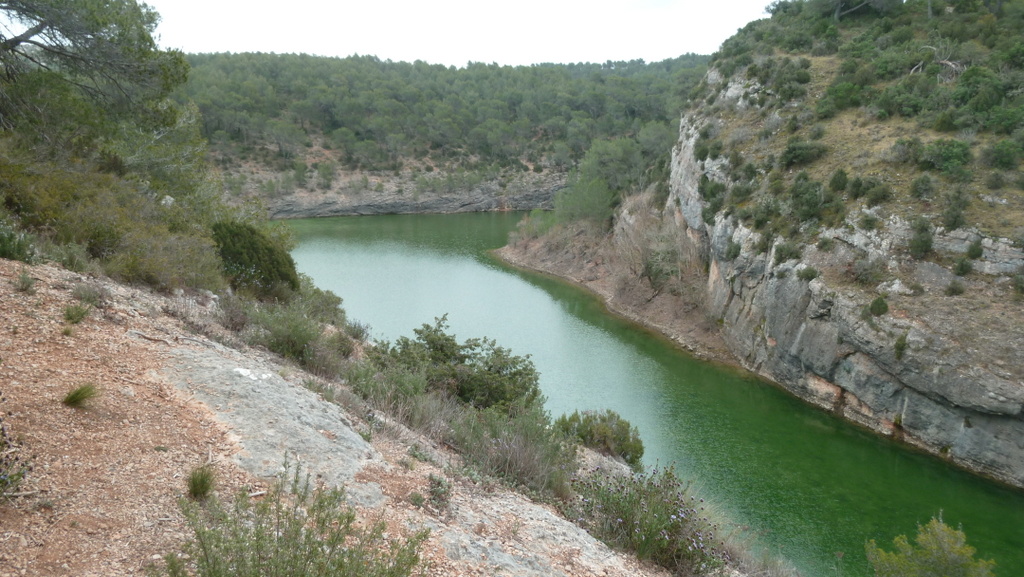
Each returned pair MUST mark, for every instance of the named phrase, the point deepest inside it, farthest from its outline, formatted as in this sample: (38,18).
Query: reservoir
(805,484)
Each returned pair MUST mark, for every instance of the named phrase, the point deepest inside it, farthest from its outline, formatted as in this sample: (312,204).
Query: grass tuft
(78,397)
(75,314)
(201,482)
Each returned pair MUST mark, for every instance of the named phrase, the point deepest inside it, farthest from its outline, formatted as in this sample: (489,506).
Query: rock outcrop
(526,193)
(942,373)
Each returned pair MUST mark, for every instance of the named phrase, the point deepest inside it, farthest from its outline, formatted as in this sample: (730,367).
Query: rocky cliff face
(941,372)
(526,193)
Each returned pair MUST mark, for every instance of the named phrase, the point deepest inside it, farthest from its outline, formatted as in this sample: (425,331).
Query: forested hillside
(308,118)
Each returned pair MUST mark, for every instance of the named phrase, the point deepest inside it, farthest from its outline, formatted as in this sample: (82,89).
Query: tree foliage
(375,114)
(95,53)
(477,371)
(938,551)
(252,260)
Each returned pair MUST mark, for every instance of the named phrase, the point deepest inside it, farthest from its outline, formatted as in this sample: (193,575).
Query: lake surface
(807,485)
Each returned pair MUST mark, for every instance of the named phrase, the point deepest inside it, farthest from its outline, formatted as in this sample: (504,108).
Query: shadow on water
(809,484)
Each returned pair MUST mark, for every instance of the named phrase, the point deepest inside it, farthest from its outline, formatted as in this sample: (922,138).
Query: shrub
(606,432)
(252,260)
(14,244)
(807,274)
(478,371)
(800,152)
(939,551)
(975,250)
(962,266)
(519,446)
(786,251)
(922,187)
(654,516)
(13,466)
(867,271)
(826,243)
(89,294)
(440,490)
(956,287)
(312,532)
(878,307)
(25,283)
(953,215)
(946,155)
(838,181)
(1004,155)
(79,396)
(733,250)
(200,482)
(922,239)
(900,346)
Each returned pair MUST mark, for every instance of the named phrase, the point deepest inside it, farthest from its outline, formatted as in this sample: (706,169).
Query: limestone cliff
(402,194)
(941,372)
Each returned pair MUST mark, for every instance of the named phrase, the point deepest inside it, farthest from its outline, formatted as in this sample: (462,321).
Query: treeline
(377,115)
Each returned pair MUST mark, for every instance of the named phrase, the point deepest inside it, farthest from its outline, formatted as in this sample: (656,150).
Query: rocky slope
(101,496)
(354,194)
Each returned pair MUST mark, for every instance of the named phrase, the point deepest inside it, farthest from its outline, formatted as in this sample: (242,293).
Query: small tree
(252,260)
(940,551)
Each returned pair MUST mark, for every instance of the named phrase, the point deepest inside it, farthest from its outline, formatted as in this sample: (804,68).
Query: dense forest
(377,115)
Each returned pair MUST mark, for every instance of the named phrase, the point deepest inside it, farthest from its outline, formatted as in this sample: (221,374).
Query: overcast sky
(455,32)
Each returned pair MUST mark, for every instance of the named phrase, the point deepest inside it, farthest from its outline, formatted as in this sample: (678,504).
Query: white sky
(455,32)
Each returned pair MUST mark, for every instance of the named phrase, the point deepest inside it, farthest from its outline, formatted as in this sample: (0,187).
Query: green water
(806,484)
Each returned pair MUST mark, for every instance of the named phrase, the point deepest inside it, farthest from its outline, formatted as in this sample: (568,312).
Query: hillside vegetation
(284,123)
(915,108)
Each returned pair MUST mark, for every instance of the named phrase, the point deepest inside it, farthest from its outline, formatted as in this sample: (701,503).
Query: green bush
(946,155)
(311,533)
(1004,155)
(956,287)
(922,238)
(800,152)
(606,432)
(200,482)
(878,307)
(975,249)
(953,214)
(939,551)
(962,266)
(478,371)
(786,251)
(732,251)
(252,260)
(807,274)
(654,516)
(900,346)
(838,181)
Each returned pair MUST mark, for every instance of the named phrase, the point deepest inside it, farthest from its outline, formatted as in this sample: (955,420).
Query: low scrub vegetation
(294,530)
(605,432)
(653,515)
